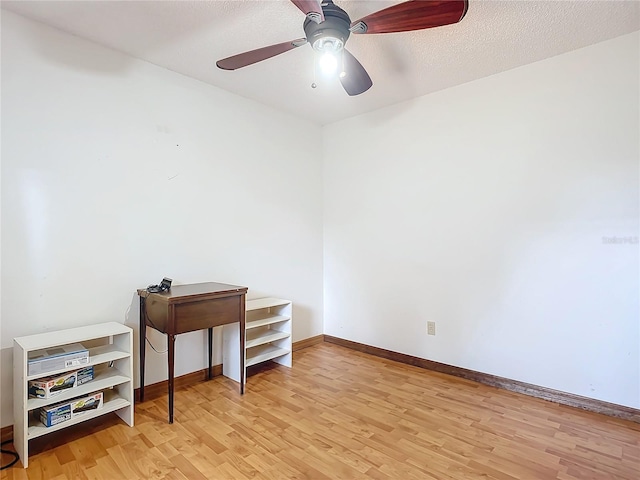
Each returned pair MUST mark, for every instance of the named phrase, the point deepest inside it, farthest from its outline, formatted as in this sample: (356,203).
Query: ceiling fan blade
(355,80)
(412,15)
(311,8)
(254,56)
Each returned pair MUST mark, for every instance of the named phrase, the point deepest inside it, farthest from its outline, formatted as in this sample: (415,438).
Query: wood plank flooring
(341,414)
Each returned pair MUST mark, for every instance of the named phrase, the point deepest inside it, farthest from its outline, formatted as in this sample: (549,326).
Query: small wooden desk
(186,308)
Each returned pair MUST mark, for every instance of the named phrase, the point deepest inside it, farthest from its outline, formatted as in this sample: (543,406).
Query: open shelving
(267,336)
(110,348)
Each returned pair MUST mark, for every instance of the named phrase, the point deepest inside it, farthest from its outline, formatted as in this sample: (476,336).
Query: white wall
(116,173)
(483,208)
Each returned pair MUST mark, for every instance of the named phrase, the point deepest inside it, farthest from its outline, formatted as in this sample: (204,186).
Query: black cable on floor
(9,452)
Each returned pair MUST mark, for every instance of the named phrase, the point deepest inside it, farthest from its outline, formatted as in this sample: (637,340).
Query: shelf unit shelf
(97,356)
(267,336)
(112,360)
(105,379)
(112,403)
(269,320)
(263,353)
(260,338)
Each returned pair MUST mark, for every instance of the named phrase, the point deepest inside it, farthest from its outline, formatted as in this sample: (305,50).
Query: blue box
(84,375)
(55,414)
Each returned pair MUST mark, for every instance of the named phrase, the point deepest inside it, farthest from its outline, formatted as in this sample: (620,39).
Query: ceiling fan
(327,28)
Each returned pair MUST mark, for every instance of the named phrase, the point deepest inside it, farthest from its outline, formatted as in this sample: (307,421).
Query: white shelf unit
(110,348)
(267,336)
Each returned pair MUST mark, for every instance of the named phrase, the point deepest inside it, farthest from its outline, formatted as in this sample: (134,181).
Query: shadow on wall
(299,312)
(195,22)
(132,320)
(6,387)
(78,59)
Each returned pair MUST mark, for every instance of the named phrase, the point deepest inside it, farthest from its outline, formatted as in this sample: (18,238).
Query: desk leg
(242,326)
(143,344)
(171,341)
(210,352)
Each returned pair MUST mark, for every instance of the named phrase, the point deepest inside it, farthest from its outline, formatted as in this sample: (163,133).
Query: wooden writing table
(186,308)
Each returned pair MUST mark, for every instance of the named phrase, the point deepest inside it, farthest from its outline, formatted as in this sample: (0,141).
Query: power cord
(146,316)
(154,348)
(9,452)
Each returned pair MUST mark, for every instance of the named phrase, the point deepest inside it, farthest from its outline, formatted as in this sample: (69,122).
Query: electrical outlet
(431,328)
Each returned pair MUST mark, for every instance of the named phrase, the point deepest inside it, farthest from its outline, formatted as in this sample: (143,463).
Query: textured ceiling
(189,36)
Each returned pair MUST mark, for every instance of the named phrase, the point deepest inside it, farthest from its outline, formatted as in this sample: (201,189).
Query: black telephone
(164,286)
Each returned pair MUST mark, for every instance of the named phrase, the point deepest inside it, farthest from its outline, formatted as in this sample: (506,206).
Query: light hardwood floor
(341,414)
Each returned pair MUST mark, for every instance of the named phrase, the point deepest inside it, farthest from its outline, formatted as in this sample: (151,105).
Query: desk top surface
(178,292)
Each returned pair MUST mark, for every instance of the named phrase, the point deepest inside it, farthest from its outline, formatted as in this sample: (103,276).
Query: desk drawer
(206,313)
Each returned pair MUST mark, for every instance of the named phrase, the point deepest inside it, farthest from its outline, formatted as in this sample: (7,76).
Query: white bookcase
(110,348)
(268,336)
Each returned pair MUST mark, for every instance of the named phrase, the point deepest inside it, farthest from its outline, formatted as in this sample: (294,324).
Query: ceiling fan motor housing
(334,30)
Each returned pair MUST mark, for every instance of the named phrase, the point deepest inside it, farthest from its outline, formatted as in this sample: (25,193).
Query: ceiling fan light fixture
(329,49)
(328,38)
(328,44)
(332,34)
(328,64)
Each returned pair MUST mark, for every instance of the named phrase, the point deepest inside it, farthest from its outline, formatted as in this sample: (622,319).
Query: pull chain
(315,67)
